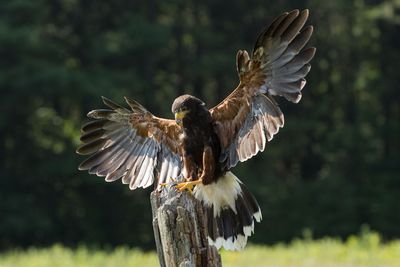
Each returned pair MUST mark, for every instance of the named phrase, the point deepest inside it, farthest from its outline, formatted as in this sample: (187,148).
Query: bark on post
(180,231)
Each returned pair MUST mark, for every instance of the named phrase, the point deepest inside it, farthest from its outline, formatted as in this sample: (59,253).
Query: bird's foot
(188,185)
(171,182)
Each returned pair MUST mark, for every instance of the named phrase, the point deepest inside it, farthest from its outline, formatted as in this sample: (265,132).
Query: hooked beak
(179,116)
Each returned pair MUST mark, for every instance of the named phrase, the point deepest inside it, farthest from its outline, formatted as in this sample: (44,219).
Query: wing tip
(313,50)
(305,12)
(134,104)
(81,167)
(309,29)
(80,151)
(295,11)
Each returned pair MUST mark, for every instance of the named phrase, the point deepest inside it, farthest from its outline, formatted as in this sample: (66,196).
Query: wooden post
(180,232)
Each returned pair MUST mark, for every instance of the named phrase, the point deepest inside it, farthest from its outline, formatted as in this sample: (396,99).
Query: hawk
(202,145)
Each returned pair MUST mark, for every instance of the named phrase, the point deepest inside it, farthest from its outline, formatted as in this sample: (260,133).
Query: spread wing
(249,117)
(132,144)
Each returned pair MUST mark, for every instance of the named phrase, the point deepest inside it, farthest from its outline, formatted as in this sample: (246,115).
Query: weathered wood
(180,232)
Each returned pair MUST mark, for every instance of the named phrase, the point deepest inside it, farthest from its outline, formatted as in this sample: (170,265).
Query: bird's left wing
(249,117)
(132,144)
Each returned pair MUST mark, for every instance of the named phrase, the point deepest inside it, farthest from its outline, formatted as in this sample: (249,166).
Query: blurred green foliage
(365,250)
(334,167)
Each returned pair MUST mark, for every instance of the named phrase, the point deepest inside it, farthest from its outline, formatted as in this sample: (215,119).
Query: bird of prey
(202,145)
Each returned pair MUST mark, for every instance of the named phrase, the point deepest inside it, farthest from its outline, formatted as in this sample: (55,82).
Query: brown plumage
(202,145)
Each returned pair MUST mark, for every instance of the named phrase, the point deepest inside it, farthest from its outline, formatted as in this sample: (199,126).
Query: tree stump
(180,230)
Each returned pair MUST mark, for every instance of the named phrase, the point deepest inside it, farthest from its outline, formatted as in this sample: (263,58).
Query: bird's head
(186,107)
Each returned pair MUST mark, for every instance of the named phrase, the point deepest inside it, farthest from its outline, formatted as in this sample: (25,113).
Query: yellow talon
(170,178)
(187,185)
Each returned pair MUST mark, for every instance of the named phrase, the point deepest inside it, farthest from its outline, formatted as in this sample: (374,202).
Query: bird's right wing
(132,144)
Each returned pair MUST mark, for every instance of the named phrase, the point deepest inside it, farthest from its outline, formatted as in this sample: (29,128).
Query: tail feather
(231,211)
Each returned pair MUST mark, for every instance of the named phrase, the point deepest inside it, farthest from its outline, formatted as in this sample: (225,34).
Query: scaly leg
(208,170)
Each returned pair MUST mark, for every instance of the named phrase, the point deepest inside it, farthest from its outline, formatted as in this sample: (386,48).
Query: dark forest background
(334,167)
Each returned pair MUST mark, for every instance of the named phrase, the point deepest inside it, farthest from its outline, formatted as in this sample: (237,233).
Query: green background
(334,167)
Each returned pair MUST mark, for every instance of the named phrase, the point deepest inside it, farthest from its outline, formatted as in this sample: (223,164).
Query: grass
(366,250)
